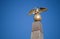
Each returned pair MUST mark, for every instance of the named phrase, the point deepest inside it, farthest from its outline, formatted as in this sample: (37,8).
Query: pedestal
(37,32)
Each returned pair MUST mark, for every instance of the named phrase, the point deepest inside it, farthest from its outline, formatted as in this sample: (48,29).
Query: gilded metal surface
(37,17)
(36,13)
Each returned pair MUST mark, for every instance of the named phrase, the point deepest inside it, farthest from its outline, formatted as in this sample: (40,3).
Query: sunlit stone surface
(36,31)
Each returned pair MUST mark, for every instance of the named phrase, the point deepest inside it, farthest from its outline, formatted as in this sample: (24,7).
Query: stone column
(37,32)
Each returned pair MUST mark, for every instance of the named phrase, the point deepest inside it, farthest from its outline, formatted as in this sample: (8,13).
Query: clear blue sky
(16,24)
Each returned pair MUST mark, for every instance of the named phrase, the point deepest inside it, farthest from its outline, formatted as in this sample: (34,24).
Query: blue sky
(16,24)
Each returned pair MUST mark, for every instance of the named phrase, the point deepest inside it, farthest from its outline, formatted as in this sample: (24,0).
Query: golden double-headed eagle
(36,13)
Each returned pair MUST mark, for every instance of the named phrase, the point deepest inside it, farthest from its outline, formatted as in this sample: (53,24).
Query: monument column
(37,32)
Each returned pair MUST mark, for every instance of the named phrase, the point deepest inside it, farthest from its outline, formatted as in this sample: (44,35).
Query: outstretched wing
(32,11)
(42,10)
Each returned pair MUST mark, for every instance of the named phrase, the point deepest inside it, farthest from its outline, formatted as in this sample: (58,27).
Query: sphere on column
(37,17)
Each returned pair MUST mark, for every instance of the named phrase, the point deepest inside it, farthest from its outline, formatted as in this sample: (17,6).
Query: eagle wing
(32,11)
(42,10)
